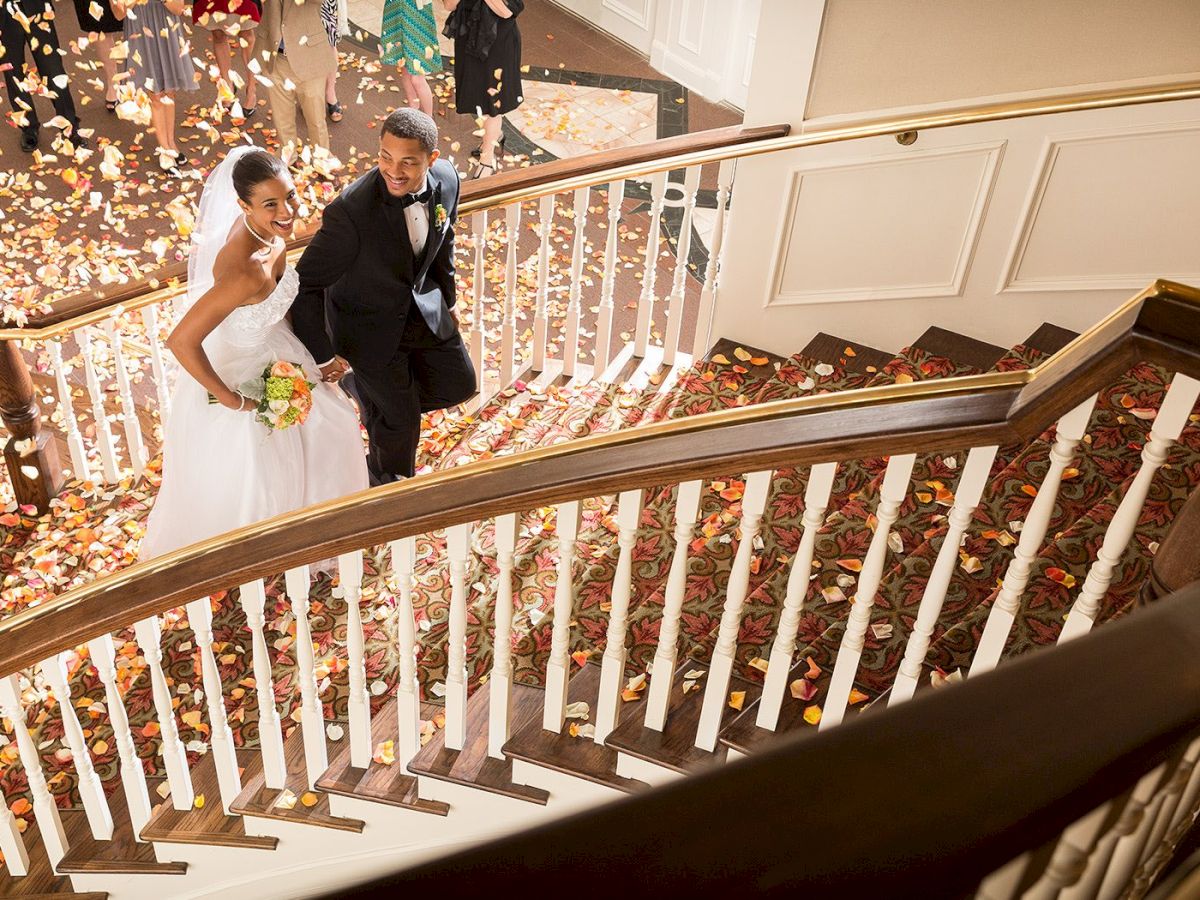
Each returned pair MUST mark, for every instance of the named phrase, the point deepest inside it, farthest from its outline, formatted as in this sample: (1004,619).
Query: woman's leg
(331,87)
(167,99)
(223,54)
(158,119)
(104,48)
(491,135)
(246,39)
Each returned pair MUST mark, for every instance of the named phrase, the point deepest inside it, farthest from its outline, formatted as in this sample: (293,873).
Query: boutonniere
(439,217)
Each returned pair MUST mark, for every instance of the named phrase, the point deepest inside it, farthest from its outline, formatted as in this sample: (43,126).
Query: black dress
(487,58)
(106,23)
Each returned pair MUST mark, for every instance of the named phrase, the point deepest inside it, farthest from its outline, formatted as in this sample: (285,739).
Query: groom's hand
(333,370)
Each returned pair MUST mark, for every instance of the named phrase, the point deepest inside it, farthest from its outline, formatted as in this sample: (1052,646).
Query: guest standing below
(300,61)
(381,270)
(410,41)
(228,21)
(97,22)
(159,64)
(333,17)
(487,68)
(30,23)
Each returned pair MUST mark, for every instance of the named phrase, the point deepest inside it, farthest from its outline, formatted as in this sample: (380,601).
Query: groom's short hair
(414,125)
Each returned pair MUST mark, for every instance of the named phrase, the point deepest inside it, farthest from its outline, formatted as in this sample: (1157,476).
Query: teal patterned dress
(410,36)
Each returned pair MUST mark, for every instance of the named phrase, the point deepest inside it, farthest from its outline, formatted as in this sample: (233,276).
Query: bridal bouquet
(286,396)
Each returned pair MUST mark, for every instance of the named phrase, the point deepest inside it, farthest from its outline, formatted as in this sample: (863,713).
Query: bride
(223,468)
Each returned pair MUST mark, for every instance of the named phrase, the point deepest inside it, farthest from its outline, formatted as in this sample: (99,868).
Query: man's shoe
(29,140)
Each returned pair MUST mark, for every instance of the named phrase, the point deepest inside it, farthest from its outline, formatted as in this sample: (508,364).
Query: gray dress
(158,49)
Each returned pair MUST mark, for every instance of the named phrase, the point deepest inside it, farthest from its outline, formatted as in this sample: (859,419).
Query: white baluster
(508,334)
(612,669)
(270,734)
(1003,613)
(604,322)
(1003,883)
(971,483)
(408,704)
(312,714)
(224,753)
(79,460)
(1173,795)
(16,857)
(133,428)
(683,250)
(571,332)
(1187,802)
(149,637)
(658,695)
(716,688)
(350,575)
(501,679)
(558,666)
(91,791)
(104,438)
(479,240)
(845,667)
(1168,424)
(458,548)
(159,370)
(133,775)
(708,294)
(1135,827)
(45,810)
(641,338)
(541,324)
(816,500)
(1070,857)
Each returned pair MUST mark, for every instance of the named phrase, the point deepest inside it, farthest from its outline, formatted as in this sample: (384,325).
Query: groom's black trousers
(424,374)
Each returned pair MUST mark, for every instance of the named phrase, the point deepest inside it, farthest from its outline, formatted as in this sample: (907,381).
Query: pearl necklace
(262,240)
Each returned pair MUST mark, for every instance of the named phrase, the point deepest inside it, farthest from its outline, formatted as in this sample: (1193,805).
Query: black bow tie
(409,199)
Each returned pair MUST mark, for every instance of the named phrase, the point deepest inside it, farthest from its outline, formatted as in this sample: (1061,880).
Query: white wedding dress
(223,469)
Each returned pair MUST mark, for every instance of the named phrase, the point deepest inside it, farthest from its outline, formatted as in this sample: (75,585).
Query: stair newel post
(645,316)
(1168,425)
(612,669)
(79,460)
(312,714)
(967,495)
(350,576)
(683,250)
(501,679)
(45,810)
(845,667)
(157,368)
(149,638)
(574,302)
(408,701)
(479,282)
(16,857)
(1069,860)
(104,438)
(558,665)
(91,791)
(1068,433)
(604,322)
(224,753)
(29,451)
(541,323)
(133,428)
(816,500)
(720,669)
(708,293)
(508,334)
(458,548)
(687,506)
(133,776)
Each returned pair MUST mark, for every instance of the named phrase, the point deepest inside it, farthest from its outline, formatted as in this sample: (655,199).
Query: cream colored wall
(886,54)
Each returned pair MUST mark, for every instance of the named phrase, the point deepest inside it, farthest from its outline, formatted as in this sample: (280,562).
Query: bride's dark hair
(254,168)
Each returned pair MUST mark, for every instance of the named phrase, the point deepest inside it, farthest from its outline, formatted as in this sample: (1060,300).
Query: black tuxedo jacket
(359,271)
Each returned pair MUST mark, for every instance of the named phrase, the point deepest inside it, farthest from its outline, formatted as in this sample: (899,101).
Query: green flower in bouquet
(277,388)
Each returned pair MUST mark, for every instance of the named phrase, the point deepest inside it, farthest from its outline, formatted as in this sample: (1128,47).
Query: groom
(381,271)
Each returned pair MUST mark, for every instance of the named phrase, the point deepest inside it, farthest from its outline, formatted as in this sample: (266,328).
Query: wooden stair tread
(966,351)
(744,735)
(578,756)
(1050,338)
(256,799)
(41,881)
(829,348)
(390,784)
(210,825)
(675,746)
(74,895)
(472,766)
(122,855)
(725,347)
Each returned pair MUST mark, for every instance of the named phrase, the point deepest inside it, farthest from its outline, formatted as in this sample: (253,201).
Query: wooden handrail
(86,307)
(1159,325)
(976,776)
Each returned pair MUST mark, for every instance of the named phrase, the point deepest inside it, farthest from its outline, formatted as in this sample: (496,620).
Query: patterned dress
(410,36)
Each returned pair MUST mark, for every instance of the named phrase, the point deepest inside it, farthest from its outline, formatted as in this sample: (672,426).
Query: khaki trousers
(286,92)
